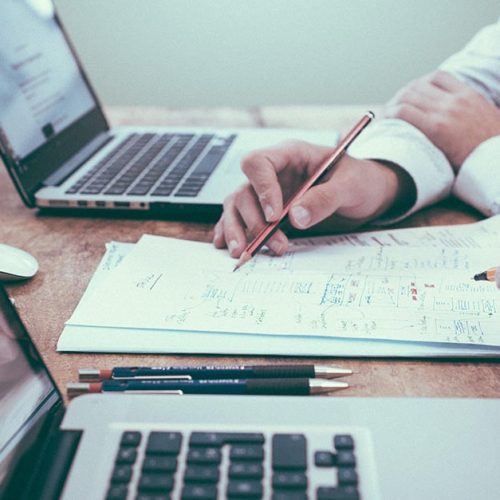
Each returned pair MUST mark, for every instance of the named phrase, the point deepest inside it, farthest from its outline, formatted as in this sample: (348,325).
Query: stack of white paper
(402,292)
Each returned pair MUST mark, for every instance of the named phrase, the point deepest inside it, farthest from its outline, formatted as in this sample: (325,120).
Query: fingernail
(301,215)
(268,212)
(232,246)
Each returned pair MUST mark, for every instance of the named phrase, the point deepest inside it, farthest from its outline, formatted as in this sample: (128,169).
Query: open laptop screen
(27,393)
(43,91)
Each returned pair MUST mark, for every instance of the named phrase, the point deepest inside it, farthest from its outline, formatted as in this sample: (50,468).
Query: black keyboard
(155,164)
(239,465)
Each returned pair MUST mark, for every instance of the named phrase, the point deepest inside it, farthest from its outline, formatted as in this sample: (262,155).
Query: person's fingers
(233,228)
(420,94)
(251,214)
(357,190)
(263,166)
(447,82)
(425,97)
(408,113)
(218,237)
(316,204)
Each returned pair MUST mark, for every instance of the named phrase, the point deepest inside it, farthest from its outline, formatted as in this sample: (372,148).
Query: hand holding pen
(354,192)
(316,176)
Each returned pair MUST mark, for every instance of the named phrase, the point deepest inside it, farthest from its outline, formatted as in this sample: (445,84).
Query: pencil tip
(244,258)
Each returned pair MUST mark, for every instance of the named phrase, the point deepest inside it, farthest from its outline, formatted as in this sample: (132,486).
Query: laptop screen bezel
(58,149)
(29,433)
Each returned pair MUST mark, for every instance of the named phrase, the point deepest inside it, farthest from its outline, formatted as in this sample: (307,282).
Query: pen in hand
(277,386)
(269,229)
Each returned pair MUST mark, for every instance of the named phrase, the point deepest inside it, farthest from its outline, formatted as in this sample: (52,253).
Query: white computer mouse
(16,264)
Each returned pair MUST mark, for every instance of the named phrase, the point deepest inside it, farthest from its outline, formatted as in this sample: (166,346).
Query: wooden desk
(68,250)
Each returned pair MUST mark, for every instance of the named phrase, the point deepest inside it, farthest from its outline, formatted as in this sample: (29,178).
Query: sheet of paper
(114,255)
(131,340)
(349,292)
(483,234)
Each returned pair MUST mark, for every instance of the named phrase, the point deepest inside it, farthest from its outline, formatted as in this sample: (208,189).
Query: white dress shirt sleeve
(398,142)
(478,181)
(478,65)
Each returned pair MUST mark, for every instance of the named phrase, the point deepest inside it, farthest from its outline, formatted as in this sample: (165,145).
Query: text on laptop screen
(25,387)
(42,90)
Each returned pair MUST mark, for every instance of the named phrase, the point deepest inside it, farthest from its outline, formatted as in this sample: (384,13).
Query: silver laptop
(61,152)
(150,446)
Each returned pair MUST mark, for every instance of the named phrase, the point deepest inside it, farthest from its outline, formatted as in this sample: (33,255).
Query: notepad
(399,292)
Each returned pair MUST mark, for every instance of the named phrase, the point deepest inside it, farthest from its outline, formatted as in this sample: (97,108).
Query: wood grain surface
(69,249)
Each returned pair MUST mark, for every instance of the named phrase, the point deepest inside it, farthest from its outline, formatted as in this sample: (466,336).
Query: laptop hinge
(70,166)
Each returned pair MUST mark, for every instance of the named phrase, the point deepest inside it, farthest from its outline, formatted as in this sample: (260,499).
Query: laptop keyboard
(156,165)
(211,465)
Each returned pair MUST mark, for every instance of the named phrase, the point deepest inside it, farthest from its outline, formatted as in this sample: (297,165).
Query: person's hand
(453,116)
(355,192)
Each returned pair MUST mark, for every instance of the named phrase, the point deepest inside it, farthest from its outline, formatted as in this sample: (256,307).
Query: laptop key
(187,193)
(152,496)
(290,480)
(160,463)
(199,492)
(121,474)
(164,443)
(324,459)
(246,471)
(126,455)
(117,492)
(289,495)
(346,459)
(201,474)
(91,190)
(139,190)
(246,453)
(210,161)
(155,482)
(289,451)
(338,493)
(206,439)
(221,438)
(347,476)
(244,489)
(343,442)
(161,191)
(204,456)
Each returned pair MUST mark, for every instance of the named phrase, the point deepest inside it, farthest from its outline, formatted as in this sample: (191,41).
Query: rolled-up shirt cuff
(478,180)
(400,143)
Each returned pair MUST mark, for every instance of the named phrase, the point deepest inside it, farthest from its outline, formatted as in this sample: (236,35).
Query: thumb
(316,204)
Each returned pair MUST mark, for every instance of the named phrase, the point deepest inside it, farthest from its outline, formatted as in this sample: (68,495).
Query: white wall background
(264,52)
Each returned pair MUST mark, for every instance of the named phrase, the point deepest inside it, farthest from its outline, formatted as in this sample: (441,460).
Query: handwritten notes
(409,285)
